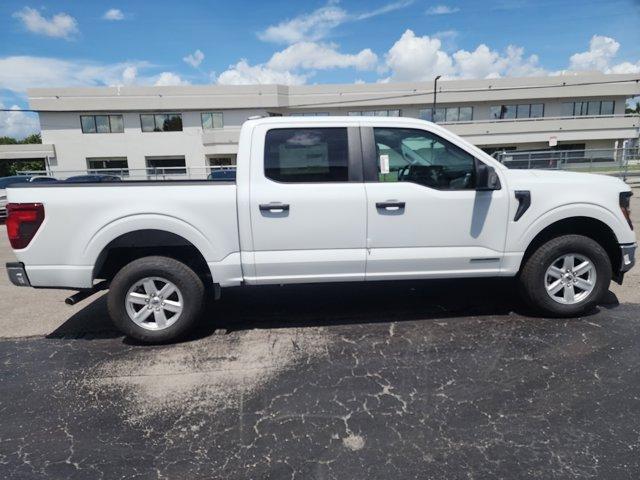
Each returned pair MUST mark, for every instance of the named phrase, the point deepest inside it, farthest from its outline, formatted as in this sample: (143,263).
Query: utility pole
(435,92)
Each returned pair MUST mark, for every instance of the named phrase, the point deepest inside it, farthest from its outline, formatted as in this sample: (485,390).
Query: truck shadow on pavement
(272,307)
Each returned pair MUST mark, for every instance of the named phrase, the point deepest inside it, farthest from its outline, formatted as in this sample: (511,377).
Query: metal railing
(150,173)
(540,119)
(622,162)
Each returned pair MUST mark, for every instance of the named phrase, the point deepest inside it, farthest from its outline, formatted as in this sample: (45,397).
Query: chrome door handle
(390,205)
(274,207)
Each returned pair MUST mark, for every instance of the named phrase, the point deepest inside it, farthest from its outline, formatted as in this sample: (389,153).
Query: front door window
(409,155)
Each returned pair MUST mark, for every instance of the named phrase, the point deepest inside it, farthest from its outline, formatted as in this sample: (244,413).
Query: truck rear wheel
(566,276)
(155,299)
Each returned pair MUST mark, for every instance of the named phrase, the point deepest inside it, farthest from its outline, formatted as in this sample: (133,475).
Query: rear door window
(299,155)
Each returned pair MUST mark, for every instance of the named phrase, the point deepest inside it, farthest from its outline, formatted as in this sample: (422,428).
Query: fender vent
(524,202)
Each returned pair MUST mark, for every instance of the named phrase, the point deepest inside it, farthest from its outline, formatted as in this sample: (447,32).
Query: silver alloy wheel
(154,303)
(570,278)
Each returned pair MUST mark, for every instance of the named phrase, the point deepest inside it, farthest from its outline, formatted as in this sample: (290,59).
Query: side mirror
(486,177)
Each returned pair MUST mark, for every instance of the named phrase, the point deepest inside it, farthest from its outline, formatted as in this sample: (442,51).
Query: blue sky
(91,43)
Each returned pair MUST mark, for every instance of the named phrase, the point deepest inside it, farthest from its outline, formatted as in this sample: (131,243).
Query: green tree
(12,167)
(34,138)
(633,110)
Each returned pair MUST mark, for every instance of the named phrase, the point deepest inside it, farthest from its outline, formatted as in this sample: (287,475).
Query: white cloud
(22,72)
(244,74)
(17,124)
(129,75)
(414,58)
(625,67)
(389,7)
(61,25)
(310,55)
(19,73)
(309,26)
(297,63)
(113,14)
(166,79)
(602,51)
(194,59)
(316,25)
(442,10)
(486,63)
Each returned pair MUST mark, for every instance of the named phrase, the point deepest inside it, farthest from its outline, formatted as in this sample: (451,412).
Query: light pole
(435,92)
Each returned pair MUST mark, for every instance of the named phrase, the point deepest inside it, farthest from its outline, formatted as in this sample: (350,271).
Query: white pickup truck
(324,199)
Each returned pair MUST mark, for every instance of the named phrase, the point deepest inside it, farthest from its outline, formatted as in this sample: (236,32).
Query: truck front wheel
(155,299)
(566,276)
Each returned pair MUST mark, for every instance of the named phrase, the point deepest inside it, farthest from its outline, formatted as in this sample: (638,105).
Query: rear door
(307,204)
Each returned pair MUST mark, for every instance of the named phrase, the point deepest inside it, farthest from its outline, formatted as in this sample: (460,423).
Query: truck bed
(82,219)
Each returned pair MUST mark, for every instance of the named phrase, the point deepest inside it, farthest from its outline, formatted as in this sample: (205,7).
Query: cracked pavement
(371,381)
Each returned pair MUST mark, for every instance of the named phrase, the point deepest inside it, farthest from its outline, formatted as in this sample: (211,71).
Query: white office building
(195,127)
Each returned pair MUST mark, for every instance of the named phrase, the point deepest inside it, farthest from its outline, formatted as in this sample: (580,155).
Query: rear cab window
(307,155)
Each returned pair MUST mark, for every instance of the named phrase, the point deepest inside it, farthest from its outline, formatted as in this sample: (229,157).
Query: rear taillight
(625,206)
(23,221)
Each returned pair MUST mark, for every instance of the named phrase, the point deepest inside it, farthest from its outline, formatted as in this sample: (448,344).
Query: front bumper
(17,274)
(627,256)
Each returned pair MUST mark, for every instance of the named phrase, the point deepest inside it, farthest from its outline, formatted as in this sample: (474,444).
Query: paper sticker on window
(384,164)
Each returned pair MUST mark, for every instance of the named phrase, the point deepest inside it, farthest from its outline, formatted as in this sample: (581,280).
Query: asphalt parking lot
(392,380)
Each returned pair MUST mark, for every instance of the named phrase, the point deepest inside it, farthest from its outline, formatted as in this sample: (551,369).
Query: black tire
(188,283)
(533,274)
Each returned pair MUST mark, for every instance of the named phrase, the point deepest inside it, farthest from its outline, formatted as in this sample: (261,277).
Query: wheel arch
(587,226)
(136,244)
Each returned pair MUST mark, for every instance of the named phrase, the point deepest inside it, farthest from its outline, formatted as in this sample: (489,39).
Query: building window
(211,120)
(537,110)
(523,110)
(376,113)
(593,107)
(222,161)
(307,155)
(166,165)
(161,122)
(110,166)
(427,114)
(607,107)
(102,123)
(310,114)
(465,114)
(448,114)
(567,109)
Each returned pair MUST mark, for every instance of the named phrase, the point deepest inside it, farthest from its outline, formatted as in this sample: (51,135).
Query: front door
(308,207)
(425,217)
